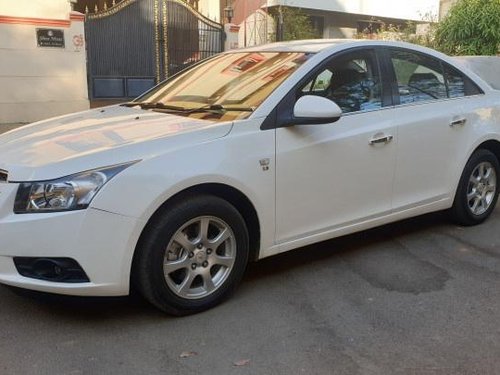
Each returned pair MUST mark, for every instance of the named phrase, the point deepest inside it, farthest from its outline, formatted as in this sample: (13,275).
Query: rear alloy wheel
(192,256)
(478,190)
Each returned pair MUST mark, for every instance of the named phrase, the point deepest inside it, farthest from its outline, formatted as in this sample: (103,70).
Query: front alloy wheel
(199,257)
(192,255)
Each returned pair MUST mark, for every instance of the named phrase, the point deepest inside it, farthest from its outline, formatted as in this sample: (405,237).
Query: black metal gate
(135,44)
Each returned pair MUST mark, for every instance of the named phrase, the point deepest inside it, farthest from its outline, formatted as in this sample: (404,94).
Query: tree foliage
(472,27)
(406,32)
(295,23)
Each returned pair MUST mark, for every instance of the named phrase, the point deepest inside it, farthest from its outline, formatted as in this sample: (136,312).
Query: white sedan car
(245,155)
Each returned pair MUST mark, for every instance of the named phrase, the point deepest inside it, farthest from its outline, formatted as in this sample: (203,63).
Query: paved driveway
(417,297)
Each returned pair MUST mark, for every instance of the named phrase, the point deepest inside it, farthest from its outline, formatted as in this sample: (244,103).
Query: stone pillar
(232,32)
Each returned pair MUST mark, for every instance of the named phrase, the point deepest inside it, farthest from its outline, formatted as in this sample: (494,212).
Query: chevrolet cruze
(245,155)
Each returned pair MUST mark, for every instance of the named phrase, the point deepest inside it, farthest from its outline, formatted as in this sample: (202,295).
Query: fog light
(62,270)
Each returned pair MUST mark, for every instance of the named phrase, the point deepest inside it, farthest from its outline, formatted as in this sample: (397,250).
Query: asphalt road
(417,297)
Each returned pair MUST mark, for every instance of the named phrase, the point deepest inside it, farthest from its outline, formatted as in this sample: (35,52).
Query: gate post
(232,35)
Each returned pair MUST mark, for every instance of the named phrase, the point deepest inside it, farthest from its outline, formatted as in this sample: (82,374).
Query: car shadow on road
(89,307)
(103,308)
(345,245)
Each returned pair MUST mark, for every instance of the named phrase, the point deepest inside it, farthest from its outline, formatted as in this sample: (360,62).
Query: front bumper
(102,243)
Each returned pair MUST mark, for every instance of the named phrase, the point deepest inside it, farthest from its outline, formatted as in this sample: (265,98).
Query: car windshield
(225,88)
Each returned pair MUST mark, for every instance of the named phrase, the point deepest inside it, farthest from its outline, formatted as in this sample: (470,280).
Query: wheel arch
(492,145)
(232,195)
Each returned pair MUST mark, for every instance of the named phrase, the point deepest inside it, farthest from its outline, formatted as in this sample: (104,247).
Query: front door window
(353,82)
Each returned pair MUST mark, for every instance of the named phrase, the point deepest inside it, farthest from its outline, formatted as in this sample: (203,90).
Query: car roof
(326,46)
(319,45)
(310,45)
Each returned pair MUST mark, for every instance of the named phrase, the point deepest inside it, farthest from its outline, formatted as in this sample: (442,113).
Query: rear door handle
(382,139)
(458,122)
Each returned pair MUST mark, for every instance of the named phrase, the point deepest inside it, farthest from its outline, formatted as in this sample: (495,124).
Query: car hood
(96,138)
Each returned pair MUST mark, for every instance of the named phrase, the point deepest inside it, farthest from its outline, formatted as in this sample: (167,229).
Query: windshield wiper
(220,108)
(151,105)
(160,107)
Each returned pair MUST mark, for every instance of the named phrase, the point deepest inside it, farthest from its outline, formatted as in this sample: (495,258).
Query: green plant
(472,27)
(294,24)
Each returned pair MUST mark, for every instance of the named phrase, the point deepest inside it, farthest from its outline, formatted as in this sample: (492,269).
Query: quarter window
(321,82)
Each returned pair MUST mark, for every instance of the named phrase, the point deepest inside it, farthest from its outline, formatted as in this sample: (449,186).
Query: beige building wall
(56,9)
(400,9)
(40,82)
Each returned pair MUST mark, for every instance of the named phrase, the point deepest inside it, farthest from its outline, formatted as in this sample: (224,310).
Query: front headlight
(73,192)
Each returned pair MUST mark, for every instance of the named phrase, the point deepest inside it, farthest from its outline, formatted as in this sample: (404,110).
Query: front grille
(3,175)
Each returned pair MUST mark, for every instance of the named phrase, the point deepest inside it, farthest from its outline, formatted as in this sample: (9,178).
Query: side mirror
(313,109)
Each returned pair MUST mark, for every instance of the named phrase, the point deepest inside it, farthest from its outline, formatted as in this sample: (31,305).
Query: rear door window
(419,77)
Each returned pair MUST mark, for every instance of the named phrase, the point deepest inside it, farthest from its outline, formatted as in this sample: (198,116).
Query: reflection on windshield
(227,87)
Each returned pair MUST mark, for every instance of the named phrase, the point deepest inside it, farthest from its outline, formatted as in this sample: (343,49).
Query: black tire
(461,212)
(148,270)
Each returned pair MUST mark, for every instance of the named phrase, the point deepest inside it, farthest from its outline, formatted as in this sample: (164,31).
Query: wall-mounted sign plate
(53,38)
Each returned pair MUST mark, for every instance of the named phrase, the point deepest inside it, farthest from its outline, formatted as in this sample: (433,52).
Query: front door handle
(458,122)
(382,139)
